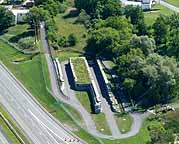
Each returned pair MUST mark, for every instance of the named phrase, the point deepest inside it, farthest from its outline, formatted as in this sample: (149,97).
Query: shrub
(83,18)
(27,43)
(72,40)
(62,41)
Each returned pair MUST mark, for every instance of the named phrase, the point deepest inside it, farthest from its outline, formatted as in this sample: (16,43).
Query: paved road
(3,138)
(35,122)
(169,6)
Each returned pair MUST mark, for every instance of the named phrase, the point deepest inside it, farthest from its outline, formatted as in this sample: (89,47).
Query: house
(19,14)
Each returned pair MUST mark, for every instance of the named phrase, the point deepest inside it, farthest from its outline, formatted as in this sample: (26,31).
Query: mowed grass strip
(81,71)
(6,130)
(156,11)
(9,133)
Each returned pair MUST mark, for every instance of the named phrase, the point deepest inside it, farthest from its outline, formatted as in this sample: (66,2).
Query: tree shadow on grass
(151,10)
(22,35)
(71,14)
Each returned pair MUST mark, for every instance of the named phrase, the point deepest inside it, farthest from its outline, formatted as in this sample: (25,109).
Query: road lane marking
(46,128)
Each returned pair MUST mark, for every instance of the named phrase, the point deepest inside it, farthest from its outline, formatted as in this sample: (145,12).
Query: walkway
(169,6)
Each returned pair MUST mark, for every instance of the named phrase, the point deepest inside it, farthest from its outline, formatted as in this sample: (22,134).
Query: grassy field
(30,74)
(157,10)
(22,36)
(4,127)
(124,122)
(173,2)
(80,70)
(66,26)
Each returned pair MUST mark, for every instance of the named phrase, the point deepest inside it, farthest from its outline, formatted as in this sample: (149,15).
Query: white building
(145,4)
(19,14)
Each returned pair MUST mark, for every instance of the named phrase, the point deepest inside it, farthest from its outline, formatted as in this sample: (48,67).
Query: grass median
(8,132)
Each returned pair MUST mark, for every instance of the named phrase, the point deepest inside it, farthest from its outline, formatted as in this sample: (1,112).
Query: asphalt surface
(3,138)
(35,122)
(169,6)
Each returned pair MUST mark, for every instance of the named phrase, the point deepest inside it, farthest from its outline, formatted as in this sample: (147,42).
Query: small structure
(29,3)
(116,107)
(144,4)
(19,14)
(79,66)
(147,4)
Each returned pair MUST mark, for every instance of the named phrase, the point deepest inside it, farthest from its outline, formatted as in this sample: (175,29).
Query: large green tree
(160,28)
(151,79)
(146,44)
(136,15)
(103,40)
(7,18)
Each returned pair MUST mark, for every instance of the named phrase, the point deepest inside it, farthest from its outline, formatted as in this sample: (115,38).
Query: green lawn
(66,54)
(22,36)
(173,2)
(141,138)
(67,26)
(157,10)
(99,119)
(124,122)
(81,70)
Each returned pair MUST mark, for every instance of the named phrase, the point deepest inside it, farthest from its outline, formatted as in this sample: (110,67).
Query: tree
(107,8)
(100,8)
(136,16)
(83,17)
(146,44)
(7,18)
(160,30)
(72,40)
(172,45)
(152,78)
(88,5)
(103,40)
(36,15)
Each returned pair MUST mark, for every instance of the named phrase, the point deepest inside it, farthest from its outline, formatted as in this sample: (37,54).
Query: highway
(3,138)
(37,124)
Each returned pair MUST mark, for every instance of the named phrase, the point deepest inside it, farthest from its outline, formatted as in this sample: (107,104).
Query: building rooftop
(81,70)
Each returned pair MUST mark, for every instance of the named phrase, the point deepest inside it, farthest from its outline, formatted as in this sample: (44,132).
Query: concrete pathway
(169,6)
